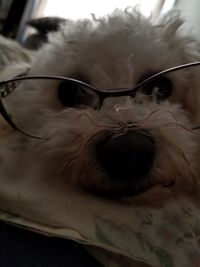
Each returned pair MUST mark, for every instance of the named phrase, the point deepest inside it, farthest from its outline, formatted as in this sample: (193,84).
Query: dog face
(129,144)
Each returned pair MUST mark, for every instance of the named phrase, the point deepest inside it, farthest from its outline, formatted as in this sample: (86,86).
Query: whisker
(151,114)
(176,148)
(93,122)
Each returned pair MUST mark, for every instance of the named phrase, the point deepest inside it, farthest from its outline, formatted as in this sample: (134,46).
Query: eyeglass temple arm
(6,116)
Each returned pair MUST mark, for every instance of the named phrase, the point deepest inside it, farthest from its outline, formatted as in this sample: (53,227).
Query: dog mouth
(122,191)
(127,161)
(131,190)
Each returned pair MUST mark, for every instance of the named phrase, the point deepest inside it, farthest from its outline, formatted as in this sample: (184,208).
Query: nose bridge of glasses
(116,93)
(110,100)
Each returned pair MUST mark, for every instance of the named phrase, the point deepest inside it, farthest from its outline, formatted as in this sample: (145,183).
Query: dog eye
(72,94)
(161,88)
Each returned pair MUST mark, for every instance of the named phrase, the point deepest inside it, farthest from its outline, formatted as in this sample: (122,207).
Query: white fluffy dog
(129,143)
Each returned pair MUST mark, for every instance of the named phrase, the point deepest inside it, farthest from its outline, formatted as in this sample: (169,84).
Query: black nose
(128,157)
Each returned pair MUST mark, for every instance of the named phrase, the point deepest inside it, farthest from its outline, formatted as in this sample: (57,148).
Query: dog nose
(126,158)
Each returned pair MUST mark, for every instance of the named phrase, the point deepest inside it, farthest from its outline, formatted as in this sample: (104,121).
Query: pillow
(143,231)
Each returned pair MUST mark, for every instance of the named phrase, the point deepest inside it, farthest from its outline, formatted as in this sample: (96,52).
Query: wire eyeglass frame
(101,93)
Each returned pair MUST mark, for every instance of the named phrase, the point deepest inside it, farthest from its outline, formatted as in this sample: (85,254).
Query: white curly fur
(111,52)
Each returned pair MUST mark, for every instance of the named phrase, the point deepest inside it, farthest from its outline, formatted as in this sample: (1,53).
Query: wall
(190,10)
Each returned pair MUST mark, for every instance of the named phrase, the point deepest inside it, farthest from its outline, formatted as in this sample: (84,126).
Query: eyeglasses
(75,93)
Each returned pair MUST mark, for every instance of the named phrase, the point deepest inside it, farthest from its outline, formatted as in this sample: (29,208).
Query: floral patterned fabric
(168,237)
